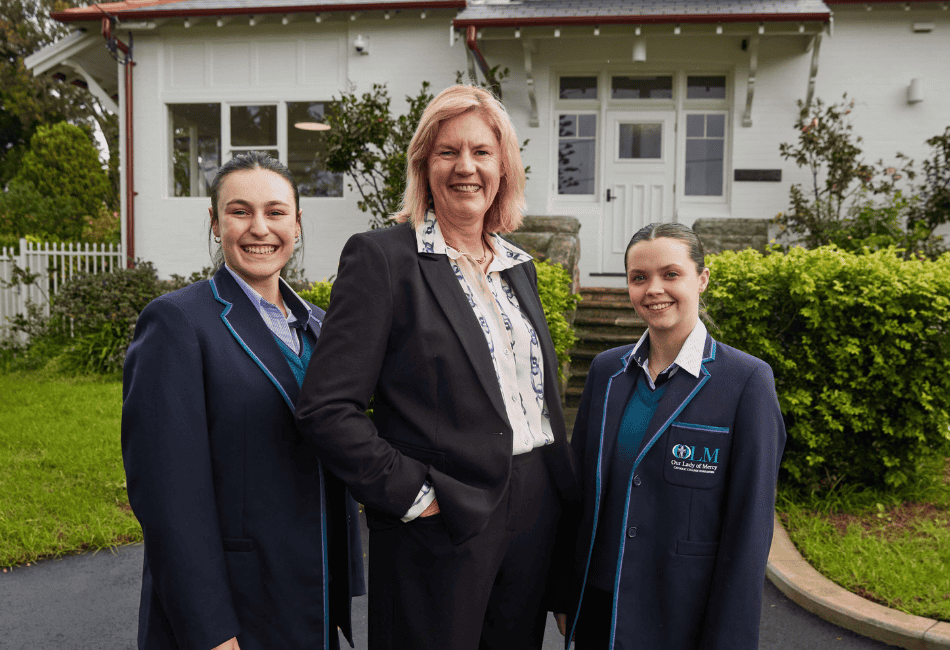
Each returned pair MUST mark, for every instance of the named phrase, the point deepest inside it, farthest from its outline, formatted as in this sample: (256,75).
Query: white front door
(639,177)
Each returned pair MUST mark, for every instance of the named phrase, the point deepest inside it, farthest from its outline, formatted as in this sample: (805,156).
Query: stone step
(612,305)
(604,293)
(615,335)
(607,317)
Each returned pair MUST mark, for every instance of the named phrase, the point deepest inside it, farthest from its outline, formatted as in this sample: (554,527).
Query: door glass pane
(254,126)
(638,141)
(715,126)
(695,126)
(307,151)
(196,147)
(705,154)
(577,151)
(578,88)
(705,88)
(641,87)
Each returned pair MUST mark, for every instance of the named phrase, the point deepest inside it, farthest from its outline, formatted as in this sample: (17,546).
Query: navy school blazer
(700,493)
(245,533)
(399,328)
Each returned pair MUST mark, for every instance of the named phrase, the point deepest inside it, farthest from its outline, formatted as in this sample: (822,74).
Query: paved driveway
(90,601)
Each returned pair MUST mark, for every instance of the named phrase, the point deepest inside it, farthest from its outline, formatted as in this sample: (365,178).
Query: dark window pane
(307,151)
(254,126)
(715,126)
(706,88)
(642,87)
(196,147)
(587,126)
(567,126)
(640,141)
(575,168)
(704,164)
(695,126)
(578,88)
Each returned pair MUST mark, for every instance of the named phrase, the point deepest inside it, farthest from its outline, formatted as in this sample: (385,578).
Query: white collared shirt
(275,320)
(689,358)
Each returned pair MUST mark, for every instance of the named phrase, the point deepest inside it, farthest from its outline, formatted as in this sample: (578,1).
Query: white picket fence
(55,263)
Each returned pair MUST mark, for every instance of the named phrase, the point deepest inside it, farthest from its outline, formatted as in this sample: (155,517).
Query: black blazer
(700,491)
(399,328)
(243,529)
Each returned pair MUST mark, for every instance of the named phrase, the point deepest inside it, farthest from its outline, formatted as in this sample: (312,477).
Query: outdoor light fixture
(640,49)
(518,33)
(676,30)
(915,91)
(597,31)
(719,29)
(361,44)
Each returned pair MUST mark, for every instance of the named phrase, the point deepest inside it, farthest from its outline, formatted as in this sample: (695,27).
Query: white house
(635,111)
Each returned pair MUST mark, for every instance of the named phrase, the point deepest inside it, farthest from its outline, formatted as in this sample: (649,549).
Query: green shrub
(860,347)
(318,293)
(554,289)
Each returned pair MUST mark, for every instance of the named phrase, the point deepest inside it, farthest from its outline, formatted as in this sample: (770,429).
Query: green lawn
(62,486)
(892,548)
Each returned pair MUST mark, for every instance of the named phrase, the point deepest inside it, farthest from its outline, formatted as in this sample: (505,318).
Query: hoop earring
(297,239)
(217,240)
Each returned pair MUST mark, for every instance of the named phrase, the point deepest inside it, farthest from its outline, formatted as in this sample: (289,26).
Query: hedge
(860,347)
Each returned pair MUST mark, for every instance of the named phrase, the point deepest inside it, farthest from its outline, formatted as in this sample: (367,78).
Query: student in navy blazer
(680,439)
(249,543)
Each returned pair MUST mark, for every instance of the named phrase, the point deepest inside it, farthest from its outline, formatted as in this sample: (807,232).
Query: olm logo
(685,452)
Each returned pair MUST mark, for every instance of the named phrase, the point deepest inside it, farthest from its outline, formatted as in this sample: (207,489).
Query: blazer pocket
(696,549)
(697,455)
(427,456)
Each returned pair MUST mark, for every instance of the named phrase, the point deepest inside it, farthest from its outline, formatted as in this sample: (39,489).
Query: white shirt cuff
(425,497)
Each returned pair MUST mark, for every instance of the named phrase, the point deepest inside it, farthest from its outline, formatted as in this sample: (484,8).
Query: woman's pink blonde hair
(506,212)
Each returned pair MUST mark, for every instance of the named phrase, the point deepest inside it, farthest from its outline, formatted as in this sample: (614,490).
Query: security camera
(361,45)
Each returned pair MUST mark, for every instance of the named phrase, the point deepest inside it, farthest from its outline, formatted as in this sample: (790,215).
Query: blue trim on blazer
(701,427)
(224,318)
(626,507)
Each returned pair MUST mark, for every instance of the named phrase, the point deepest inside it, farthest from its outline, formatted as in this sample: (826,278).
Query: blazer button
(631,532)
(636,480)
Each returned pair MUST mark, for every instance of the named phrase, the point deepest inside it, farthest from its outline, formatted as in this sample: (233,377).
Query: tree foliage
(854,204)
(60,188)
(368,143)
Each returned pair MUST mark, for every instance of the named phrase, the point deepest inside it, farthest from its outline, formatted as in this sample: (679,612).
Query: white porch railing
(54,264)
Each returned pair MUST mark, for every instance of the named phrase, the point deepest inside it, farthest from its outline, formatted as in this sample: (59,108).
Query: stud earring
(217,240)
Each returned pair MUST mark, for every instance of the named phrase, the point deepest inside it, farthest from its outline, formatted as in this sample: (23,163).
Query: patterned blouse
(511,339)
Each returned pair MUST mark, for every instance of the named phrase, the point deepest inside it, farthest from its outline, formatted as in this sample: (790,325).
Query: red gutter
(472,43)
(129,148)
(91,13)
(541,21)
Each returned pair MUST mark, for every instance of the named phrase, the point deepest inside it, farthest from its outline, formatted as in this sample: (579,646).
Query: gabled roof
(149,9)
(526,13)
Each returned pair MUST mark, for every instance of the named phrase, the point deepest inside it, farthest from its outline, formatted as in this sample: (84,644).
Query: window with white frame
(705,154)
(204,135)
(577,136)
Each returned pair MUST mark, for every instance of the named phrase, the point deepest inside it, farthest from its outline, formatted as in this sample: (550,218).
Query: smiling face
(257,222)
(664,286)
(464,169)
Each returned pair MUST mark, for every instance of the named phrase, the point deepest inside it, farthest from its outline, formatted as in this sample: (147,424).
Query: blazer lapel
(619,389)
(445,287)
(252,334)
(681,389)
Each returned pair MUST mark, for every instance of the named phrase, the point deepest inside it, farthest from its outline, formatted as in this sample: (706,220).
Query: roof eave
(543,21)
(94,13)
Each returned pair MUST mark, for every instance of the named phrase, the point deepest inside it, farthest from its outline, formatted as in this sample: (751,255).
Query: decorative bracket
(97,91)
(750,85)
(816,45)
(529,47)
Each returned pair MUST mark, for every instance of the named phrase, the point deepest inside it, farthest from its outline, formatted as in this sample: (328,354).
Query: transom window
(641,87)
(578,88)
(198,145)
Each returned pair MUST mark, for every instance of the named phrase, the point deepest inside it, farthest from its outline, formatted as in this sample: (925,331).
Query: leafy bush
(860,347)
(554,289)
(318,293)
(858,205)
(63,162)
(25,210)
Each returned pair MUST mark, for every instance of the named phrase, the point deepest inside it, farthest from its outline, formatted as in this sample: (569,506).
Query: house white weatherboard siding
(675,107)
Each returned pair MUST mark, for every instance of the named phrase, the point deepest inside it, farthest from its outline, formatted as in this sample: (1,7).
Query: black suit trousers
(486,593)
